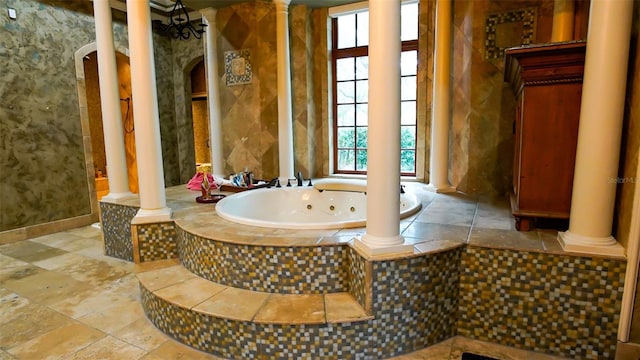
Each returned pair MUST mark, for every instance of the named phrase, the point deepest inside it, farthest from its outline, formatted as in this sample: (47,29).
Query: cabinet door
(548,146)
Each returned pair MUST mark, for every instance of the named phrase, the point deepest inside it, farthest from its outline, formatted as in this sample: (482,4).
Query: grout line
(473,222)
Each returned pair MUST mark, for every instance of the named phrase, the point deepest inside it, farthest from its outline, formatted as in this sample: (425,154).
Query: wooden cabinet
(547,81)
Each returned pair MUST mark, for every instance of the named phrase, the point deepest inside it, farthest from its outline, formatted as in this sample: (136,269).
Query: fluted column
(110,103)
(153,206)
(285,117)
(213,91)
(383,144)
(440,115)
(563,18)
(599,132)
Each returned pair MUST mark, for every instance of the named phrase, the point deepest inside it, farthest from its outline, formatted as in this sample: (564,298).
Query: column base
(590,245)
(115,197)
(145,216)
(374,245)
(443,189)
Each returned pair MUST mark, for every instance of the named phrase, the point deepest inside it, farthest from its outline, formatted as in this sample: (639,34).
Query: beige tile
(455,216)
(340,238)
(56,262)
(114,318)
(128,286)
(108,348)
(93,271)
(292,309)
(58,342)
(9,262)
(79,304)
(190,293)
(142,334)
(83,244)
(234,303)
(85,231)
(6,356)
(157,279)
(430,247)
(96,252)
(44,286)
(17,271)
(30,251)
(550,241)
(506,239)
(173,350)
(430,231)
(155,265)
(23,321)
(56,240)
(11,305)
(343,307)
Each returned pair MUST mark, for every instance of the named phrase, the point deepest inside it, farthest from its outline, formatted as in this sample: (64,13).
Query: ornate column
(563,17)
(383,143)
(599,132)
(153,202)
(285,117)
(110,103)
(439,157)
(213,91)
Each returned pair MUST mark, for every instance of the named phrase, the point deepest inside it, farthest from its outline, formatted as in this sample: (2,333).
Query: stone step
(173,284)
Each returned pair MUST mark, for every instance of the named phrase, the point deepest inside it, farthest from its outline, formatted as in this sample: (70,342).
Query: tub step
(171,283)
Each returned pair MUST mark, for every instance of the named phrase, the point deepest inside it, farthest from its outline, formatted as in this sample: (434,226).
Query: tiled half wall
(559,304)
(116,229)
(408,316)
(556,304)
(273,269)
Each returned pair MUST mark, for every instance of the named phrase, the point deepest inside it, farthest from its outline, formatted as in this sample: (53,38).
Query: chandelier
(180,26)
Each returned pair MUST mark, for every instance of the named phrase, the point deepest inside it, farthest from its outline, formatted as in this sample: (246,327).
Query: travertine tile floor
(61,298)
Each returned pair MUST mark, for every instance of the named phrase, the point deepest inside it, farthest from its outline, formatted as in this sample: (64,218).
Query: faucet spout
(299,178)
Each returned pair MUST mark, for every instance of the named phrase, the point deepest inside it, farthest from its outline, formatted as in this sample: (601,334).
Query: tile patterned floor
(61,298)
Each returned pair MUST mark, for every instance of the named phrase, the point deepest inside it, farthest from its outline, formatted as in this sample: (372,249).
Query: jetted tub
(304,207)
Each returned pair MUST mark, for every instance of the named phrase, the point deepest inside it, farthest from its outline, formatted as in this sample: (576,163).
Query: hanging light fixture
(180,26)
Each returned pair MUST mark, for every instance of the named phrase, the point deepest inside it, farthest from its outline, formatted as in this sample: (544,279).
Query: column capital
(210,14)
(282,5)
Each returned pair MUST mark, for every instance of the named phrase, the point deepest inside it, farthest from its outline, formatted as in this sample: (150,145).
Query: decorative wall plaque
(509,29)
(237,67)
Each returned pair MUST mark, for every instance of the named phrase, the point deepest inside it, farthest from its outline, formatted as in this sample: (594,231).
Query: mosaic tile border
(116,229)
(395,330)
(274,269)
(156,241)
(528,17)
(562,305)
